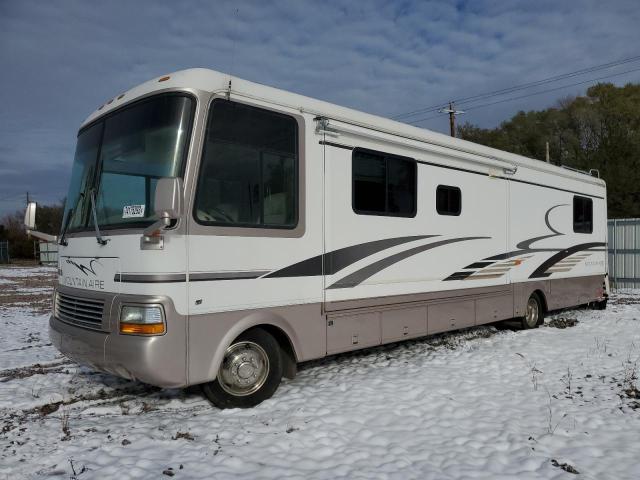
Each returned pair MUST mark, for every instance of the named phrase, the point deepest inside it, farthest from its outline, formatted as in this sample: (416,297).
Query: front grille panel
(83,312)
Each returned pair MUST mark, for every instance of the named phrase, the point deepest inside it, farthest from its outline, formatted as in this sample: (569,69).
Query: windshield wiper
(99,238)
(63,241)
(72,211)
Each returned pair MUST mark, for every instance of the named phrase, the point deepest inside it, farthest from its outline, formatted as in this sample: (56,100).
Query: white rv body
(336,280)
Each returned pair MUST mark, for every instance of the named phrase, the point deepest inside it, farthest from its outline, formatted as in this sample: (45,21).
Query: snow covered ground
(483,403)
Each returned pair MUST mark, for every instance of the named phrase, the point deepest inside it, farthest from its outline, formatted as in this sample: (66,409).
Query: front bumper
(159,360)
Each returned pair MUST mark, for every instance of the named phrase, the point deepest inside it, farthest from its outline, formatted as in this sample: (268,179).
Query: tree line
(600,130)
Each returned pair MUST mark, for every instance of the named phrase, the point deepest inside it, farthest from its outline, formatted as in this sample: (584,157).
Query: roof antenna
(229,90)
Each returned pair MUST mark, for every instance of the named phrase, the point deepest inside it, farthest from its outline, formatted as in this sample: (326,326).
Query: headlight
(139,320)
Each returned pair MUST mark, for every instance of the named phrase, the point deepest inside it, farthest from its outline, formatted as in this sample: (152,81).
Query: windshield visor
(123,156)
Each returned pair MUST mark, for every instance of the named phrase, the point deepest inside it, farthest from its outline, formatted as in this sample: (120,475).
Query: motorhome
(219,232)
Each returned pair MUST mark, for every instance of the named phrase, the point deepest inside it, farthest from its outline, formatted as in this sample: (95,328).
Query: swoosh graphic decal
(213,276)
(83,268)
(524,248)
(485,270)
(338,259)
(361,275)
(541,271)
(459,275)
(477,265)
(525,245)
(546,218)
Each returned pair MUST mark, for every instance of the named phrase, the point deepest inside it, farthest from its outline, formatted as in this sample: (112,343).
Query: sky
(62,59)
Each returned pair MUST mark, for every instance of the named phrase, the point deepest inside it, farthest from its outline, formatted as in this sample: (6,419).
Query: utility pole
(452,117)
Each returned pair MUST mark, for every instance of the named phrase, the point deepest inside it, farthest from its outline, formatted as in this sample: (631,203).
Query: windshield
(123,156)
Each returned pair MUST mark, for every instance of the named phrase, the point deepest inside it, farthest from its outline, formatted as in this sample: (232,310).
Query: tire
(534,313)
(250,371)
(601,305)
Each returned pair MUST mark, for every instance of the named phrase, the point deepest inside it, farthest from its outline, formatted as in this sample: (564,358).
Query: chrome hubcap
(532,314)
(244,369)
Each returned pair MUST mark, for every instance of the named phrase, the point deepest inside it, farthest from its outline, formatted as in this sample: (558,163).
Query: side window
(383,184)
(248,176)
(582,215)
(448,200)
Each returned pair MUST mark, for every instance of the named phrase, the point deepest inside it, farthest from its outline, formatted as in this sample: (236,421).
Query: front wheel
(250,372)
(534,313)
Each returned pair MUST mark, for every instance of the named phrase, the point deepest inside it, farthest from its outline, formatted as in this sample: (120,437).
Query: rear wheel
(250,372)
(534,313)
(599,305)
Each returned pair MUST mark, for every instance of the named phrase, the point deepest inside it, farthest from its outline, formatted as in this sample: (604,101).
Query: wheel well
(288,353)
(543,300)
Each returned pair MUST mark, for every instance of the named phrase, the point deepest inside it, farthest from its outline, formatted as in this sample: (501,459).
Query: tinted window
(383,184)
(248,175)
(448,200)
(369,182)
(582,215)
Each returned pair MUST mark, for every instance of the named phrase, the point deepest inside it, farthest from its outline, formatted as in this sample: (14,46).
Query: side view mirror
(168,206)
(30,216)
(168,198)
(30,224)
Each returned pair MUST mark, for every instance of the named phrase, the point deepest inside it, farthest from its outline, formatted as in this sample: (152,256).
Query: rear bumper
(157,360)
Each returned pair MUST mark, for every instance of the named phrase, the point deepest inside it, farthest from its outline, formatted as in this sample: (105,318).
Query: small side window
(448,200)
(582,215)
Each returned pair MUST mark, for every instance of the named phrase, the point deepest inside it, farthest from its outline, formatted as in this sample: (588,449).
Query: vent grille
(82,312)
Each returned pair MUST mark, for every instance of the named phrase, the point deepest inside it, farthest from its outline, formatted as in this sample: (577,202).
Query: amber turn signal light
(142,328)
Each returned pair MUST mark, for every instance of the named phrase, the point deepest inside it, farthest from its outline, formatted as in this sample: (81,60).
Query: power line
(523,86)
(414,122)
(560,77)
(473,107)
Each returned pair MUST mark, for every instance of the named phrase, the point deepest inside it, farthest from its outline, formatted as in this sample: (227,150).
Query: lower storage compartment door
(443,317)
(493,309)
(403,323)
(350,332)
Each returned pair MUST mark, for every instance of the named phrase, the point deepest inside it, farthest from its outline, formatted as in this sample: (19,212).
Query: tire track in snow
(35,369)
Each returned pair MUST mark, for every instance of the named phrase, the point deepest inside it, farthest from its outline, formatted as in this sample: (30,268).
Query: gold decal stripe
(483,276)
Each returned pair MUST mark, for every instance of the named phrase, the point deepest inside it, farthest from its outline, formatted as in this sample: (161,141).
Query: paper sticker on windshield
(132,211)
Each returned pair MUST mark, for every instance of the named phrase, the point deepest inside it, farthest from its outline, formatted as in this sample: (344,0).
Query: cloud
(62,59)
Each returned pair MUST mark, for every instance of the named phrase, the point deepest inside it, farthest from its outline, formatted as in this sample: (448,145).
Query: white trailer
(219,232)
